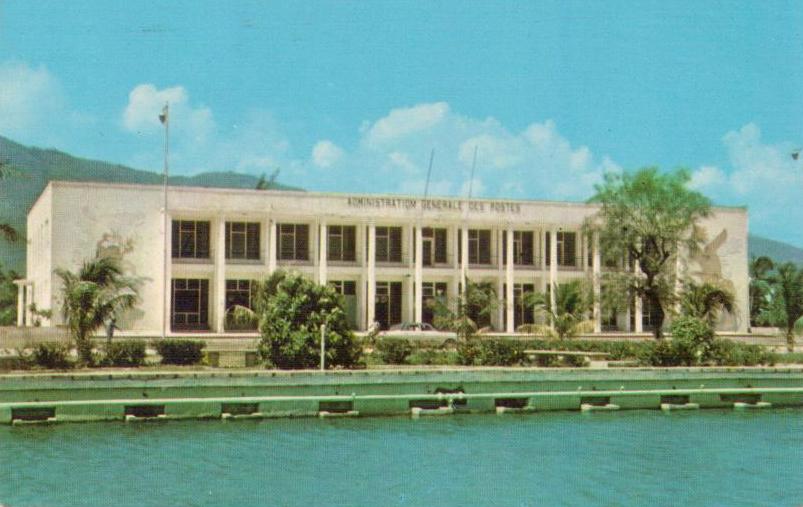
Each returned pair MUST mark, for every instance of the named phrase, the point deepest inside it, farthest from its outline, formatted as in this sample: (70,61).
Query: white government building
(385,254)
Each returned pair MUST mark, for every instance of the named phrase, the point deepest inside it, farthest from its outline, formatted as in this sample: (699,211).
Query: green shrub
(125,353)
(575,361)
(291,316)
(730,353)
(433,357)
(692,340)
(51,355)
(394,350)
(493,352)
(180,351)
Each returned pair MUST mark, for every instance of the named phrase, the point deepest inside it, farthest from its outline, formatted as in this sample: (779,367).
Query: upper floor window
(523,251)
(242,240)
(293,242)
(388,244)
(190,239)
(479,246)
(434,246)
(341,243)
(567,248)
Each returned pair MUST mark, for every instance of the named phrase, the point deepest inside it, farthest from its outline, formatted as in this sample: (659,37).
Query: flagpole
(164,118)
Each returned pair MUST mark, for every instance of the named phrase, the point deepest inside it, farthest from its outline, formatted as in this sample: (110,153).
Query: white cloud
(32,105)
(145,103)
(707,177)
(762,175)
(403,122)
(537,162)
(326,153)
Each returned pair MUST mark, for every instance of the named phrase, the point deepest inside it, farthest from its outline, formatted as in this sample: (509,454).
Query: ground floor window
(388,304)
(431,292)
(522,314)
(239,293)
(190,304)
(347,289)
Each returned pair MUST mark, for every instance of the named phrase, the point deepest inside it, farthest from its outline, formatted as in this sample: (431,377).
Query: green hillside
(775,250)
(33,168)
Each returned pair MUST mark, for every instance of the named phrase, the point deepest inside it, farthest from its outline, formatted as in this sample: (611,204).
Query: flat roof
(312,194)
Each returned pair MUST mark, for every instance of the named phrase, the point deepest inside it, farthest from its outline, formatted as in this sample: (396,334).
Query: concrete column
(371,273)
(678,279)
(323,251)
(553,265)
(219,297)
(597,282)
(584,246)
(314,241)
(542,250)
(464,257)
(419,274)
(20,304)
(499,321)
(265,240)
(166,288)
(639,324)
(362,239)
(272,253)
(510,327)
(499,238)
(28,302)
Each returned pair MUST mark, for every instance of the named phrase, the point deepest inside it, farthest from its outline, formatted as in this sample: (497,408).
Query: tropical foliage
(569,316)
(786,306)
(705,302)
(468,312)
(96,293)
(645,217)
(291,311)
(8,298)
(760,269)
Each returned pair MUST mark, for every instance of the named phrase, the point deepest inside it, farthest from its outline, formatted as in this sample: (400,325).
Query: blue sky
(349,96)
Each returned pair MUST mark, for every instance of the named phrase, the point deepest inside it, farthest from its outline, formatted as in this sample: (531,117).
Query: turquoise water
(711,458)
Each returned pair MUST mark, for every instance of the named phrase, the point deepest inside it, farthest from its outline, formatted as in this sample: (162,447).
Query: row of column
(369,272)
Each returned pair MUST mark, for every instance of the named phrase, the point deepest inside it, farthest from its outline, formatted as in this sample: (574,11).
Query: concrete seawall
(135,396)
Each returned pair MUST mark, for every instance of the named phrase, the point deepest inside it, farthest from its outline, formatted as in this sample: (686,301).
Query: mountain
(775,250)
(33,168)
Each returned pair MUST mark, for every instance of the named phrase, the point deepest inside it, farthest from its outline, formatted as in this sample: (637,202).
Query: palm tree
(706,302)
(760,269)
(6,230)
(92,296)
(469,311)
(572,303)
(787,307)
(267,183)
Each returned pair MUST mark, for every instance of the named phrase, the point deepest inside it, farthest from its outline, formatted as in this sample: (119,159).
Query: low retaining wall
(147,395)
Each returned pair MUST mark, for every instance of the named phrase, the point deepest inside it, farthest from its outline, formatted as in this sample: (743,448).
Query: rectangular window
(341,243)
(190,304)
(293,242)
(433,246)
(523,248)
(479,246)
(431,292)
(238,293)
(242,240)
(388,244)
(344,287)
(521,313)
(388,304)
(567,248)
(190,239)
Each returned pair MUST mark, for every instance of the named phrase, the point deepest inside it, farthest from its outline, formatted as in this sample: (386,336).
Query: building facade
(387,255)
